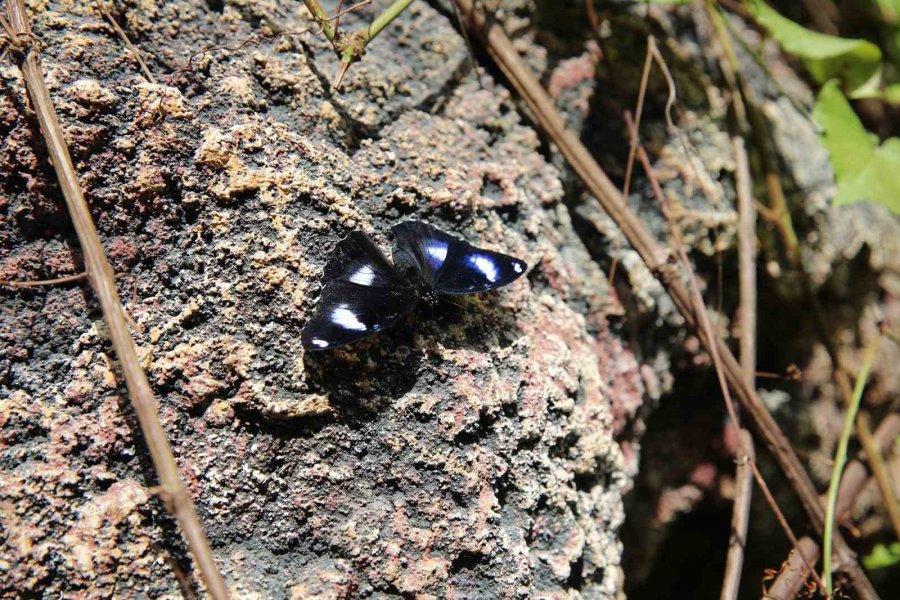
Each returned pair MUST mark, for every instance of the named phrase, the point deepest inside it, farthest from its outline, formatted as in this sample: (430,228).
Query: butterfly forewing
(453,266)
(363,294)
(425,246)
(358,260)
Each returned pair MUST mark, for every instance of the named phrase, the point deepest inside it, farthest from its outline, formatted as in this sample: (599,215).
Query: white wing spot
(364,276)
(345,318)
(437,252)
(319,343)
(484,264)
(517,267)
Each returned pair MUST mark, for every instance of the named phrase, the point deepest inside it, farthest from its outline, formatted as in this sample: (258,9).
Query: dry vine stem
(746,105)
(855,478)
(744,455)
(44,282)
(657,260)
(740,517)
(102,280)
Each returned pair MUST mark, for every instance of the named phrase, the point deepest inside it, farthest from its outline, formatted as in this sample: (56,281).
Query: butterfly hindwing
(454,266)
(348,312)
(363,294)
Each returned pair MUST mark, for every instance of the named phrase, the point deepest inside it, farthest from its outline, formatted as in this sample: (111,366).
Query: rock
(465,453)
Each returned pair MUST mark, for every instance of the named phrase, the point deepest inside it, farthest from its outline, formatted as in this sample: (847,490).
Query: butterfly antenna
(456,304)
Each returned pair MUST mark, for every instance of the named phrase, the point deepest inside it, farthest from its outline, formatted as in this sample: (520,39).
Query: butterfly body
(364,293)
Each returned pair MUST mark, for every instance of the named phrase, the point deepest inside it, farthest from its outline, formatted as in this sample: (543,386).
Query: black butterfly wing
(348,312)
(425,246)
(454,266)
(358,260)
(363,294)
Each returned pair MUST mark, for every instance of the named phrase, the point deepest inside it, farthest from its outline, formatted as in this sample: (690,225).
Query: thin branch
(337,17)
(690,152)
(740,519)
(740,516)
(632,147)
(639,109)
(785,526)
(470,50)
(351,47)
(746,259)
(699,308)
(255,41)
(780,213)
(43,282)
(879,470)
(670,83)
(788,583)
(103,282)
(132,47)
(501,50)
(841,457)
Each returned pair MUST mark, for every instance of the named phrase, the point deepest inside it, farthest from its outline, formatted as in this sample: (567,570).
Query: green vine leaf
(863,169)
(882,557)
(892,93)
(857,63)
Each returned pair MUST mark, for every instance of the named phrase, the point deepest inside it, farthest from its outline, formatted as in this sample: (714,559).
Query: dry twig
(699,308)
(879,470)
(789,582)
(778,214)
(102,280)
(657,260)
(134,50)
(740,516)
(740,519)
(43,282)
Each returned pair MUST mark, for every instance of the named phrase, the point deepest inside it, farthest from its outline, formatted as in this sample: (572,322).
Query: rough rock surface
(469,453)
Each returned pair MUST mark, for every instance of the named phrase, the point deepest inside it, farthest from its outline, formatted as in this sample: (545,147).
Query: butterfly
(364,293)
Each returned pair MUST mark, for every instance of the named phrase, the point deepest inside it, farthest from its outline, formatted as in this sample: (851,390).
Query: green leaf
(882,557)
(863,169)
(892,93)
(855,62)
(850,145)
(890,9)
